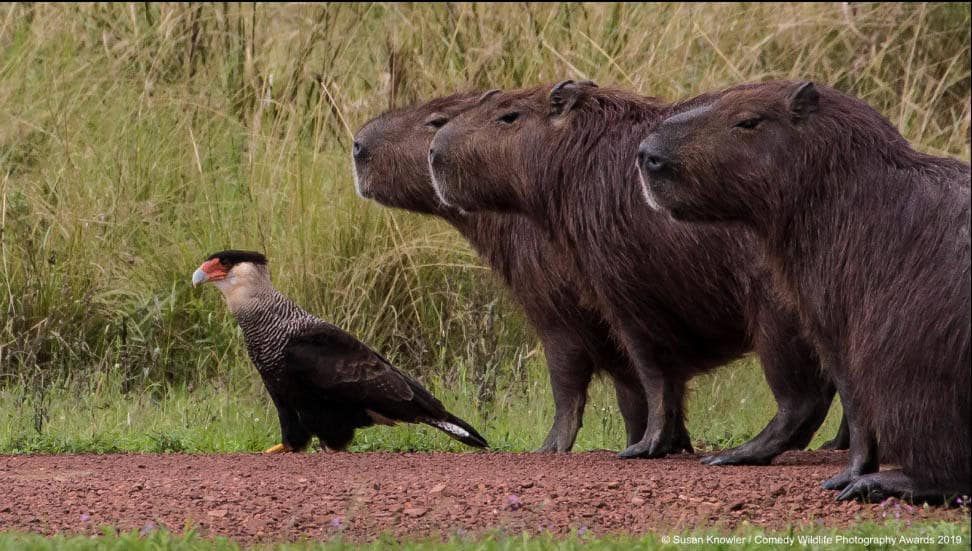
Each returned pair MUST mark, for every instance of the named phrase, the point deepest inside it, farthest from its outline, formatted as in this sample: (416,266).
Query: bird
(323,381)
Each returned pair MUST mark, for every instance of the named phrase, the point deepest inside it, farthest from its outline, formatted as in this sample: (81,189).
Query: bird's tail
(460,430)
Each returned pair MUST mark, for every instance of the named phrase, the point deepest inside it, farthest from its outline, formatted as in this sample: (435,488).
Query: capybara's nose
(651,158)
(359,151)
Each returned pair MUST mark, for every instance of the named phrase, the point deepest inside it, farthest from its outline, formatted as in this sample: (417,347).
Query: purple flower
(582,530)
(336,523)
(513,502)
(85,517)
(147,529)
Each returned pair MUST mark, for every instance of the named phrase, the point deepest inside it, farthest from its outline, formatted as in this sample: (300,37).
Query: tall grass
(137,138)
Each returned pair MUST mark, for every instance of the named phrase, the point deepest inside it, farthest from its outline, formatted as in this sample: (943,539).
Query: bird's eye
(437,122)
(749,124)
(508,118)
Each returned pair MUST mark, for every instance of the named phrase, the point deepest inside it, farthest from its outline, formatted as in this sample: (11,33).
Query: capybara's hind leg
(631,402)
(570,369)
(877,487)
(863,443)
(665,432)
(841,440)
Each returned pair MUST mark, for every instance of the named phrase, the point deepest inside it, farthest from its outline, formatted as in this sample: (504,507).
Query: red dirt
(257,498)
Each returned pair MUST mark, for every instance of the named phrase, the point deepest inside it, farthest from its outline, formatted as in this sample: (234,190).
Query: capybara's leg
(803,395)
(680,439)
(631,402)
(665,431)
(571,368)
(841,440)
(877,487)
(863,442)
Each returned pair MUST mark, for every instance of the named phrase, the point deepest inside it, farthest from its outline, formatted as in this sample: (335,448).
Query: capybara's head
(485,158)
(732,157)
(390,154)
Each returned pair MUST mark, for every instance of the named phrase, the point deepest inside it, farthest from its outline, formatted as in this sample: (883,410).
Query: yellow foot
(279,448)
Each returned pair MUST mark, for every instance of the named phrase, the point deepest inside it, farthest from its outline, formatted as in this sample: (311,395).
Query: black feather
(232,257)
(341,368)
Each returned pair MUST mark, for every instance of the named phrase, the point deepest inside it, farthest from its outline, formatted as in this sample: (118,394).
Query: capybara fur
(869,240)
(390,159)
(682,299)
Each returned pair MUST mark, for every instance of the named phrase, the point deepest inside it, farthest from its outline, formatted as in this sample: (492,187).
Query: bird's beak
(199,276)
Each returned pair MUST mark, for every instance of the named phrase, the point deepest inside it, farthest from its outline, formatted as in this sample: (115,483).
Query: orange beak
(211,270)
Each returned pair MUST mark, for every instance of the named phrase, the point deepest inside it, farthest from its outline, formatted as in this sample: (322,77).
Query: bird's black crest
(233,257)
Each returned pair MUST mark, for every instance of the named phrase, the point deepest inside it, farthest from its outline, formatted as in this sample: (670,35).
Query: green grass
(863,536)
(234,414)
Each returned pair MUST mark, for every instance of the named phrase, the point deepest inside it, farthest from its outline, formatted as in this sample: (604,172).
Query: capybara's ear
(804,101)
(487,95)
(565,95)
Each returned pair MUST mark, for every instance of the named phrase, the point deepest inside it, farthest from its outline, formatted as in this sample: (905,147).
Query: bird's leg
(293,435)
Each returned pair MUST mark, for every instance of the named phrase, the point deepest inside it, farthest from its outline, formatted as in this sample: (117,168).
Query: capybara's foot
(682,442)
(552,447)
(876,487)
(651,448)
(644,448)
(738,456)
(556,442)
(842,480)
(279,448)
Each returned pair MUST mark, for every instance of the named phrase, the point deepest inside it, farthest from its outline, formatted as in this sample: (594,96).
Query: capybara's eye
(508,118)
(749,124)
(437,122)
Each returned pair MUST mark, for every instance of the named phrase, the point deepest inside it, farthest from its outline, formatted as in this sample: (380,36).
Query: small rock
(637,501)
(737,506)
(415,511)
(437,489)
(218,513)
(526,485)
(614,485)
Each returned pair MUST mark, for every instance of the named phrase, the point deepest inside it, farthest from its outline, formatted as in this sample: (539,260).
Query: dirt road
(256,498)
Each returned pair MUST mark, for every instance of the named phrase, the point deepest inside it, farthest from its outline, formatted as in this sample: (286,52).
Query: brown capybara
(869,240)
(389,155)
(682,299)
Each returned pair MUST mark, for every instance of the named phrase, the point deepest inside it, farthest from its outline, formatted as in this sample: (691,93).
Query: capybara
(682,299)
(389,155)
(868,239)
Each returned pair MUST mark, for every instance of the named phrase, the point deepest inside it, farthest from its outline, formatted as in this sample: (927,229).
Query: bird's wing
(336,362)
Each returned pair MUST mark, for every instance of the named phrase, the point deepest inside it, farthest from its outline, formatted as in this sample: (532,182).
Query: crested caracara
(323,381)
